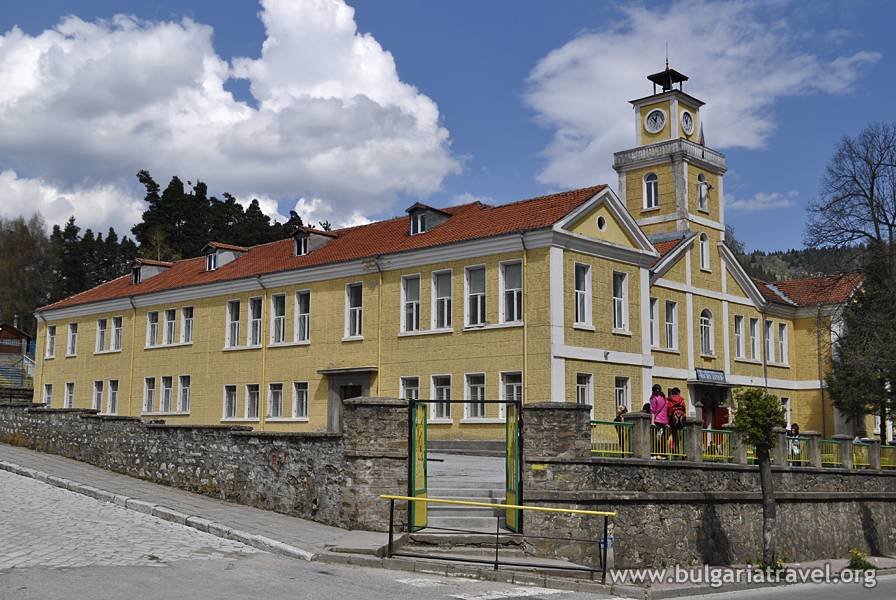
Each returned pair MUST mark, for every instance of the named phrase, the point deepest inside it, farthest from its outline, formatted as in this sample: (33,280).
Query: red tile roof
(811,291)
(467,222)
(664,248)
(153,263)
(223,246)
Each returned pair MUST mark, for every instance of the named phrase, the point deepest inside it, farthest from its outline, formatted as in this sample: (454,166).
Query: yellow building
(582,296)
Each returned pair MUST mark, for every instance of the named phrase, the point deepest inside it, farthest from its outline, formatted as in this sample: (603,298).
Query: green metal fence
(830,453)
(861,455)
(667,443)
(798,451)
(888,457)
(717,446)
(611,439)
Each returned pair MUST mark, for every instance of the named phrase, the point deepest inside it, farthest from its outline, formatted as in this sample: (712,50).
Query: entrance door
(351,390)
(343,387)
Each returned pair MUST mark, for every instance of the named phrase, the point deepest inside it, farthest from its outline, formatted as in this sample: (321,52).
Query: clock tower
(670,181)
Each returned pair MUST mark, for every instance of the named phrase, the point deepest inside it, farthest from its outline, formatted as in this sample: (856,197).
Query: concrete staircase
(463,477)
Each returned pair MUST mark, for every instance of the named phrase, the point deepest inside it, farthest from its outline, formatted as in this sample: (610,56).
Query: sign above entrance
(711,376)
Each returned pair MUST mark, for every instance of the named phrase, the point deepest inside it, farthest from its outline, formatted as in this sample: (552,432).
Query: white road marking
(516,592)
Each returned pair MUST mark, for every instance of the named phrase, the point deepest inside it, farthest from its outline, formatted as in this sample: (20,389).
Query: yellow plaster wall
(709,362)
(603,377)
(613,231)
(713,211)
(662,357)
(634,192)
(695,112)
(662,135)
(745,366)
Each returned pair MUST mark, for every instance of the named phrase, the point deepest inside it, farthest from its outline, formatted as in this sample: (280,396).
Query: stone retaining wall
(326,477)
(680,512)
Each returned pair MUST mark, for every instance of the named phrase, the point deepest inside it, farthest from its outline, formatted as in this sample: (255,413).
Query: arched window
(704,252)
(702,192)
(651,191)
(706,333)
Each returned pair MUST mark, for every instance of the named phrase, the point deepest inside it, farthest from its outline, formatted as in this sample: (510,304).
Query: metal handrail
(601,542)
(611,438)
(830,453)
(668,443)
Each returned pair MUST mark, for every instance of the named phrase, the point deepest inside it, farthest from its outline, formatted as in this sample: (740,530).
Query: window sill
(702,270)
(290,344)
(425,332)
(440,421)
(71,355)
(238,420)
(238,348)
(50,357)
(666,350)
(286,419)
(174,345)
(481,420)
(624,332)
(165,414)
(650,210)
(710,356)
(584,327)
(353,338)
(486,326)
(748,361)
(99,352)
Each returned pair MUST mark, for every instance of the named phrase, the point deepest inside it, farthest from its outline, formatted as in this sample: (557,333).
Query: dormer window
(211,261)
(301,245)
(418,223)
(135,275)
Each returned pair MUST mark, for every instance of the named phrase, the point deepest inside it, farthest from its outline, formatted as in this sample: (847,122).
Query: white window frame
(71,346)
(300,406)
(98,391)
(620,304)
(739,346)
(582,307)
(278,322)
(211,261)
(707,333)
(418,223)
(50,350)
(406,387)
(102,329)
(48,394)
(769,341)
(436,407)
(783,344)
(68,400)
(654,322)
(152,329)
(247,415)
(502,377)
(671,327)
(255,321)
(468,397)
(112,398)
(270,402)
(186,324)
(648,183)
(442,306)
(704,253)
(515,293)
(224,412)
(303,319)
(170,330)
(166,394)
(232,328)
(411,307)
(149,394)
(301,245)
(622,394)
(354,315)
(585,390)
(482,298)
(754,338)
(183,393)
(117,323)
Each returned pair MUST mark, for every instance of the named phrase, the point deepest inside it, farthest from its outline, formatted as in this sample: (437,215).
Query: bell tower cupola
(670,181)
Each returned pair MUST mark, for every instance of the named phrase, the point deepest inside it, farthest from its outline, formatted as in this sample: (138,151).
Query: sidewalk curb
(164,513)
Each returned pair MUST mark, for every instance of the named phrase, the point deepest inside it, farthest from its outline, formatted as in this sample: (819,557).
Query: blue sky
(489,100)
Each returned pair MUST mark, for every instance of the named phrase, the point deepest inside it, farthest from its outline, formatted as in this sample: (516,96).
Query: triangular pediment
(605,219)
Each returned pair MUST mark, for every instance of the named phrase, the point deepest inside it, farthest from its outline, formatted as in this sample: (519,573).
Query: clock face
(687,122)
(655,121)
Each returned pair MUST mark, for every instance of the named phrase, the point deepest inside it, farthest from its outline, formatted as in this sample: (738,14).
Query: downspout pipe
(131,360)
(262,414)
(379,322)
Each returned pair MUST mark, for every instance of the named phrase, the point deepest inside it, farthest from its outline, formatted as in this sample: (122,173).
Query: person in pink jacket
(659,413)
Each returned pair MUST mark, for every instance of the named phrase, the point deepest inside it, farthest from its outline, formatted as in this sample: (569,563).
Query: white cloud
(468,198)
(762,201)
(742,58)
(86,105)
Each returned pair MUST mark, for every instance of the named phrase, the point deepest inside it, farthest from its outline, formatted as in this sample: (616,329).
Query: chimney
(15,321)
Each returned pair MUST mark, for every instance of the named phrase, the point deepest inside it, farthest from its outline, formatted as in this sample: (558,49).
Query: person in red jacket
(677,413)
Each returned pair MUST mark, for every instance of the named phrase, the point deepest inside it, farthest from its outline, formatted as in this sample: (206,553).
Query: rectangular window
(112,405)
(441,287)
(754,339)
(512,386)
(300,399)
(51,342)
(229,401)
(97,396)
(167,392)
(233,323)
(149,394)
(101,326)
(252,401)
(278,319)
(152,328)
(441,388)
(671,325)
(738,336)
(475,296)
(116,333)
(654,322)
(583,294)
(584,389)
(410,318)
(512,282)
(410,388)
(48,394)
(72,347)
(354,306)
(69,401)
(303,317)
(769,341)
(183,399)
(211,261)
(782,343)
(186,324)
(623,397)
(301,246)
(418,223)
(275,400)
(254,322)
(170,315)
(475,396)
(620,302)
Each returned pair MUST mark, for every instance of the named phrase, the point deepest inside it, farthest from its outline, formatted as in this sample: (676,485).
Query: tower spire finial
(667,54)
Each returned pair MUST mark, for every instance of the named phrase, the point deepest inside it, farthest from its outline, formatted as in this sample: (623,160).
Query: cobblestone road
(50,527)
